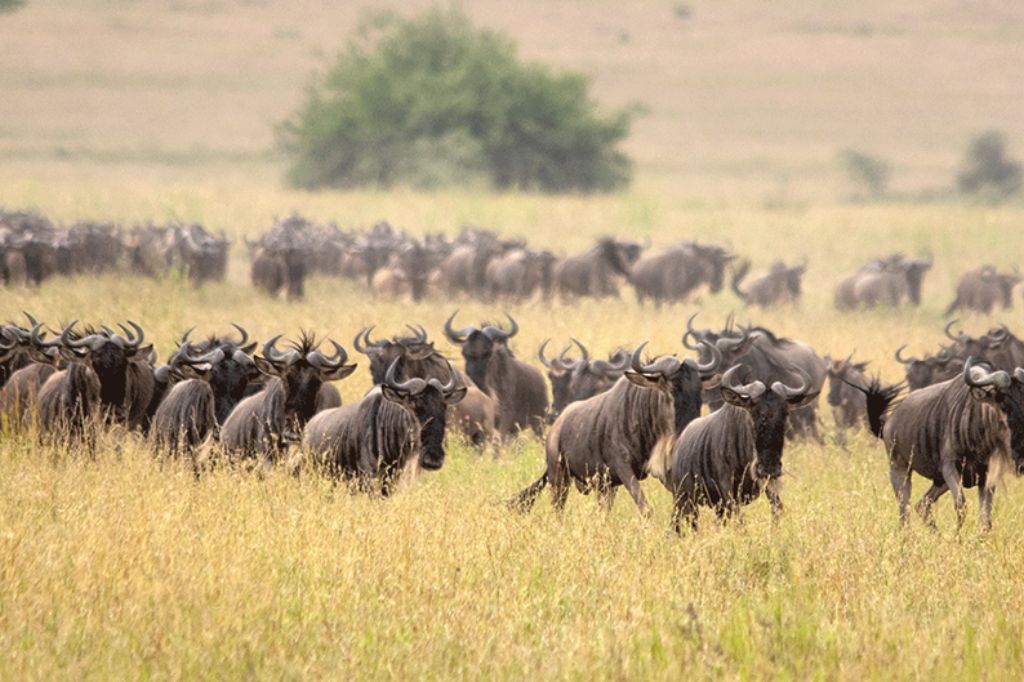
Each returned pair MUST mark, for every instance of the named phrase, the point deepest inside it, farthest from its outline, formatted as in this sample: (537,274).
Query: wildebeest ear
(739,400)
(339,373)
(71,355)
(142,352)
(250,349)
(266,366)
(455,396)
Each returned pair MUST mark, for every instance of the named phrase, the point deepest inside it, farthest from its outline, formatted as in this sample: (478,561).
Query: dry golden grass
(123,567)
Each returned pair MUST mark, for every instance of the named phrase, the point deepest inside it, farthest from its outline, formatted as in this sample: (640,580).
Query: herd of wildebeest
(609,421)
(477,263)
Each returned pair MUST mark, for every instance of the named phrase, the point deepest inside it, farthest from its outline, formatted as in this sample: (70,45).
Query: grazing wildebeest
(847,403)
(726,459)
(781,284)
(397,424)
(619,436)
(960,433)
(982,288)
(474,415)
(187,415)
(263,424)
(69,403)
(574,380)
(596,272)
(932,369)
(771,359)
(885,281)
(518,388)
(675,272)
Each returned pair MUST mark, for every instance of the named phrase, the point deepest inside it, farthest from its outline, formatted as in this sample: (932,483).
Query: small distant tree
(432,100)
(868,175)
(10,5)
(987,171)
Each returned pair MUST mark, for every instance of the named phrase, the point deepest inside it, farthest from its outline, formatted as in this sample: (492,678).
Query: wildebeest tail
(953,307)
(879,401)
(523,502)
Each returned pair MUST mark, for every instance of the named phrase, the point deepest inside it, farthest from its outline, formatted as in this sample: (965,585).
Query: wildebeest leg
(523,502)
(558,479)
(952,478)
(606,496)
(900,479)
(985,495)
(771,491)
(924,505)
(625,474)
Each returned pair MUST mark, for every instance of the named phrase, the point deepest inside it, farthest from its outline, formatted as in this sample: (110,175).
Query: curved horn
(1018,374)
(38,340)
(185,355)
(321,361)
(901,359)
(419,332)
(751,391)
(456,335)
(185,335)
(998,379)
(5,335)
(362,342)
(410,387)
(271,353)
(690,332)
(245,335)
(65,337)
(448,387)
(133,340)
(712,365)
(540,353)
(666,366)
(789,392)
(493,332)
(583,349)
(949,325)
(31,320)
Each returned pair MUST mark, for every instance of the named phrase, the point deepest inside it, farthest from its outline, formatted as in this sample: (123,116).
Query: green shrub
(986,171)
(10,5)
(432,100)
(868,175)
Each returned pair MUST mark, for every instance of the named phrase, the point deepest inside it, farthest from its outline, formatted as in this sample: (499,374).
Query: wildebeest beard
(1011,403)
(686,396)
(111,367)
(304,382)
(769,417)
(431,412)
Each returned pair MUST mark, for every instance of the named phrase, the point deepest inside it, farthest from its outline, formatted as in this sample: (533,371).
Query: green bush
(868,175)
(987,172)
(432,100)
(10,5)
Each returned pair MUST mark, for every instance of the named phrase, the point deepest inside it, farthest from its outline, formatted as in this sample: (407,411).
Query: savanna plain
(123,566)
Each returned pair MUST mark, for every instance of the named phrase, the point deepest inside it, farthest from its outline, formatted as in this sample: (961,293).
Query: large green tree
(431,100)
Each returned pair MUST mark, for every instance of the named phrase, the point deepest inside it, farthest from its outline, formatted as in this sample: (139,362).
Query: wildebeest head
(732,343)
(915,269)
(1005,391)
(713,260)
(840,373)
(1006,284)
(478,345)
(768,408)
(428,400)
(230,374)
(574,380)
(682,381)
(921,372)
(383,353)
(794,278)
(559,371)
(303,370)
(109,355)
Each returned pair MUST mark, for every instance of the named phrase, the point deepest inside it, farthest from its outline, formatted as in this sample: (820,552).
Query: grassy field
(125,567)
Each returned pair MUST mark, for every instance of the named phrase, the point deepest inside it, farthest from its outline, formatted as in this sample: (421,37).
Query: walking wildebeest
(518,388)
(597,271)
(519,274)
(961,433)
(883,282)
(619,436)
(781,284)
(397,424)
(931,369)
(261,425)
(474,415)
(676,271)
(726,459)
(574,380)
(982,288)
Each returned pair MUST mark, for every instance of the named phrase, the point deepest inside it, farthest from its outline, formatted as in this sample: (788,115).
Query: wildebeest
(982,288)
(726,459)
(407,272)
(397,424)
(619,436)
(781,284)
(999,347)
(519,274)
(931,369)
(675,272)
(847,403)
(474,415)
(518,388)
(887,281)
(464,270)
(69,403)
(574,380)
(960,433)
(187,416)
(770,358)
(596,272)
(263,424)
(20,391)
